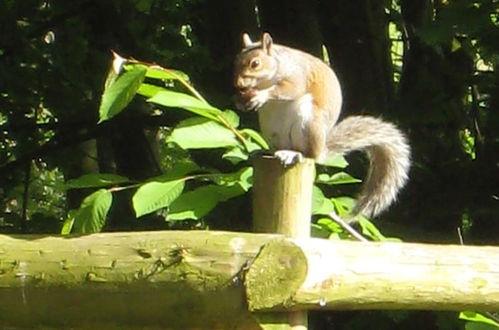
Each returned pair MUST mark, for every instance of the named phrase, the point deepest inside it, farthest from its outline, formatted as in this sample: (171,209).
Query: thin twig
(347,227)
(460,235)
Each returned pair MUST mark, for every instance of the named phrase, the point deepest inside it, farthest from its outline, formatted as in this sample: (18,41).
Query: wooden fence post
(282,204)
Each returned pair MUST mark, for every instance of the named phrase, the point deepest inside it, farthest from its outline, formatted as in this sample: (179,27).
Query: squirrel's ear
(266,42)
(247,40)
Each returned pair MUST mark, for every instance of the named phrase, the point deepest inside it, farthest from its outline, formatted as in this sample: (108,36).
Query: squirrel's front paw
(248,99)
(289,157)
(260,98)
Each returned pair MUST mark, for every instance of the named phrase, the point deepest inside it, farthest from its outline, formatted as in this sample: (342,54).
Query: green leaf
(335,161)
(200,133)
(178,171)
(153,196)
(236,155)
(95,180)
(336,178)
(476,317)
(479,326)
(318,231)
(241,153)
(200,201)
(157,72)
(182,168)
(330,225)
(243,178)
(320,203)
(255,136)
(231,117)
(67,226)
(120,91)
(149,90)
(91,216)
(370,230)
(343,204)
(187,102)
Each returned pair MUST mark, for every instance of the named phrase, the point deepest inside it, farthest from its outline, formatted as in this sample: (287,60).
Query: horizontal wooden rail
(163,278)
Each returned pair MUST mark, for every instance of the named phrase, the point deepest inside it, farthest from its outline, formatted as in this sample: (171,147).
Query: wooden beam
(163,278)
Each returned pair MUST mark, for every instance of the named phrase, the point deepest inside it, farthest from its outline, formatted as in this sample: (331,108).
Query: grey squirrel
(298,99)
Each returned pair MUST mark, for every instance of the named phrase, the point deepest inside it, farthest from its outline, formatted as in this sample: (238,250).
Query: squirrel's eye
(255,63)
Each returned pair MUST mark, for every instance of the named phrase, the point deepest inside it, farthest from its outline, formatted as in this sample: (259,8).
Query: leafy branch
(209,128)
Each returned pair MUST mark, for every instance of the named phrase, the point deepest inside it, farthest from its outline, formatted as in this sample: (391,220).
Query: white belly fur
(284,123)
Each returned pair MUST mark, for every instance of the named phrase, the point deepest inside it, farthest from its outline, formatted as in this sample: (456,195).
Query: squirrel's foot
(289,157)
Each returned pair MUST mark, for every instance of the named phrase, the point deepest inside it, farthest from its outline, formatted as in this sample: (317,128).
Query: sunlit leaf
(120,92)
(91,216)
(199,202)
(67,226)
(320,203)
(330,225)
(157,72)
(335,161)
(153,196)
(343,205)
(255,136)
(476,317)
(187,102)
(235,155)
(199,133)
(231,117)
(243,177)
(149,90)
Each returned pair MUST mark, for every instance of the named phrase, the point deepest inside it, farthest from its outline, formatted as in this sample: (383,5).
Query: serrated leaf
(95,180)
(120,91)
(199,202)
(153,196)
(187,102)
(91,216)
(199,133)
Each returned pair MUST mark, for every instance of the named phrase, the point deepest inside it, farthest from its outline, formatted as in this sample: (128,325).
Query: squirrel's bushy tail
(389,155)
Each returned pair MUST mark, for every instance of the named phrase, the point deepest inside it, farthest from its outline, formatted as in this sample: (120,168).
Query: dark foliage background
(429,66)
